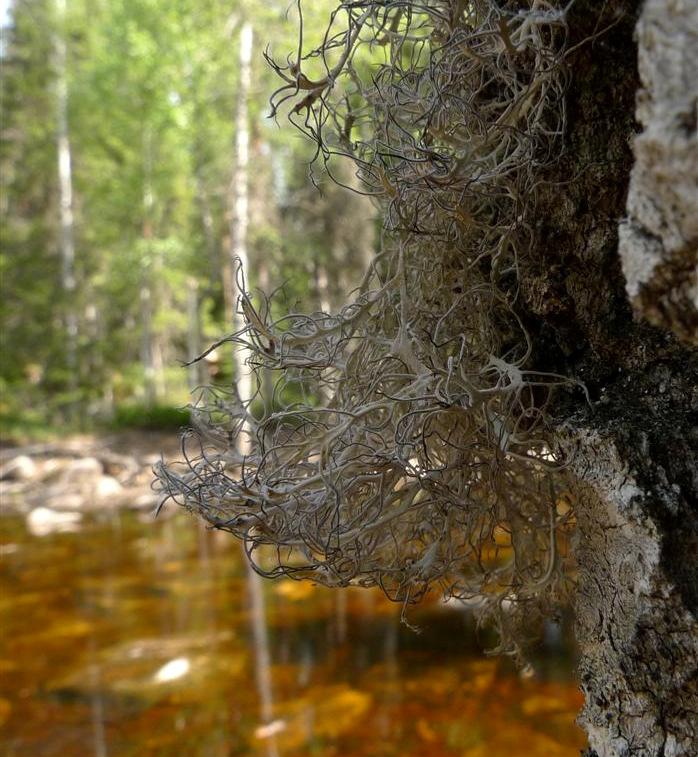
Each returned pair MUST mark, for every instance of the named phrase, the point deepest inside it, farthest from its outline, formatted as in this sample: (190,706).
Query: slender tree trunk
(193,333)
(262,657)
(95,375)
(267,387)
(322,288)
(151,347)
(202,193)
(322,284)
(147,344)
(239,215)
(208,226)
(65,197)
(239,222)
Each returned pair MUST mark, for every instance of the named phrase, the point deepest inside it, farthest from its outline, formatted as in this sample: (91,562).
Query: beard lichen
(407,444)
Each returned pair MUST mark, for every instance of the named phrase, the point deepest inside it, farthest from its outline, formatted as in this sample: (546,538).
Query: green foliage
(154,418)
(151,96)
(18,424)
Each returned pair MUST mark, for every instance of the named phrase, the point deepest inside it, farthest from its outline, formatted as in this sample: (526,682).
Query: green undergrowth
(153,418)
(21,426)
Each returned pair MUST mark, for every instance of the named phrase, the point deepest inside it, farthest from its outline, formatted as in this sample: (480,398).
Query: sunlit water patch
(134,637)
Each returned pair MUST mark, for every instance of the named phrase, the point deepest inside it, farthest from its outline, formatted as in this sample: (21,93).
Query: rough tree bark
(615,305)
(659,240)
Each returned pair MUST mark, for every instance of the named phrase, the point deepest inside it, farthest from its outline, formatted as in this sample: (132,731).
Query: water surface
(134,637)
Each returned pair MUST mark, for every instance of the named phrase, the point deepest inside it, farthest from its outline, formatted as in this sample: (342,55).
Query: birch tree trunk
(151,354)
(65,197)
(322,284)
(238,256)
(239,215)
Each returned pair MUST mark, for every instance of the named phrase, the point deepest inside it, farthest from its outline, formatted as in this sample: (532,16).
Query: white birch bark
(151,348)
(239,217)
(65,194)
(239,222)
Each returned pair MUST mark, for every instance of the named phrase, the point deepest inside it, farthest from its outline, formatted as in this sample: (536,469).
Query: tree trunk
(65,197)
(151,346)
(659,240)
(262,656)
(239,221)
(208,226)
(633,448)
(194,372)
(267,387)
(239,213)
(147,358)
(322,285)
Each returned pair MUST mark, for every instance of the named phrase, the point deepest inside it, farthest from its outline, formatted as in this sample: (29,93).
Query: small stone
(66,502)
(20,468)
(43,521)
(84,469)
(107,486)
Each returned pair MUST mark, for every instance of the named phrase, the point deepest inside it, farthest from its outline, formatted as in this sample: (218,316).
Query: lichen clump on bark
(407,443)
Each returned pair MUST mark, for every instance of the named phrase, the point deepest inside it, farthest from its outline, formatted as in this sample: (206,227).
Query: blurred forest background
(121,125)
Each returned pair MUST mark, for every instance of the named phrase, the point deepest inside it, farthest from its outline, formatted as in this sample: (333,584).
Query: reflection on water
(134,638)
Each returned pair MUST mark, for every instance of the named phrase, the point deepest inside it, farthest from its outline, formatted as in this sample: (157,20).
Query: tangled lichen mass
(407,442)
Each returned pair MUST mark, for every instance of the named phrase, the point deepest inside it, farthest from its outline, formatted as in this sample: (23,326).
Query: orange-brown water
(134,637)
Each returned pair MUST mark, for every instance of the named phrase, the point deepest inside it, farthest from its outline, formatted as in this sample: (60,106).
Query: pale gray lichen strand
(428,460)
